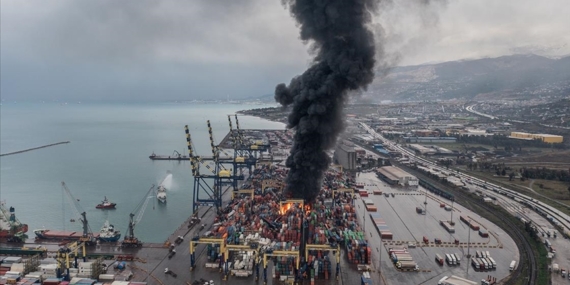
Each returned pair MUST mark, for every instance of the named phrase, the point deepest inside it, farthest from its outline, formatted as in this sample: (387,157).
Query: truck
(426,240)
(397,250)
(437,240)
(481,264)
(447,226)
(555,267)
(483,233)
(407,265)
(457,258)
(401,257)
(475,263)
(439,259)
(513,265)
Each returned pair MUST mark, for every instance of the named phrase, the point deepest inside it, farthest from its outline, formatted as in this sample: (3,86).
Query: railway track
(528,259)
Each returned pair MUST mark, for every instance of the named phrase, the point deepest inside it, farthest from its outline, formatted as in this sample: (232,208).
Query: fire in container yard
(301,240)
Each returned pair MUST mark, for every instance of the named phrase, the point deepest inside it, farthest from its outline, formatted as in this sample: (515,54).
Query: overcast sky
(144,50)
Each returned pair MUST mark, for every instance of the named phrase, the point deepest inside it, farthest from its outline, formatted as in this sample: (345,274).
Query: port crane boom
(79,213)
(130,239)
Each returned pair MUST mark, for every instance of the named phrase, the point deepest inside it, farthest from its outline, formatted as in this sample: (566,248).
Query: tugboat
(161,191)
(105,204)
(108,233)
(161,194)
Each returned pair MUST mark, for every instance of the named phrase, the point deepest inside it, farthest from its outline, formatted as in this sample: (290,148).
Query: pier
(34,148)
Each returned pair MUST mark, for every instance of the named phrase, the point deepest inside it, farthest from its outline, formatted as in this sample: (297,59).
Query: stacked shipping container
(381,226)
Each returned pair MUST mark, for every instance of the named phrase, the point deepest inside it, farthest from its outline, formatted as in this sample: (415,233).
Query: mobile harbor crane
(130,239)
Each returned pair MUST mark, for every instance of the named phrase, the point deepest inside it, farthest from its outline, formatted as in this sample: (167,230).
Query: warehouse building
(422,149)
(543,137)
(430,139)
(396,176)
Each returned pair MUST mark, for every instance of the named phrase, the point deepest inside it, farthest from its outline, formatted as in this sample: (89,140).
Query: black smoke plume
(344,61)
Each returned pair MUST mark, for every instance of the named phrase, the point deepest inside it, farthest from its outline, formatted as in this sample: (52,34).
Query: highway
(555,216)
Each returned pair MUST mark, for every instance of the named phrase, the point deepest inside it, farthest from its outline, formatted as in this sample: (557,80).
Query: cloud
(214,48)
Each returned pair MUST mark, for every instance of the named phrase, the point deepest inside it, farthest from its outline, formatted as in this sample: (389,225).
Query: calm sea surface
(107,156)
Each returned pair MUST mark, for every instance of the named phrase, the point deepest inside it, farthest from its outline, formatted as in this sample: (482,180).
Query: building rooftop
(393,172)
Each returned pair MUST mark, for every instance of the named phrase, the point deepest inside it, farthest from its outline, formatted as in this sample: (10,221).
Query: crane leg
(337,269)
(257,272)
(192,261)
(265,275)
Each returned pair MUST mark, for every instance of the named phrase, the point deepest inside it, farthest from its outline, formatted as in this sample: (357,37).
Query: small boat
(108,233)
(161,194)
(105,204)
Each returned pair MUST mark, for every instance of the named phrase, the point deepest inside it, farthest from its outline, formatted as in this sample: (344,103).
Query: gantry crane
(197,240)
(281,253)
(325,247)
(253,247)
(203,181)
(130,240)
(226,167)
(79,213)
(63,258)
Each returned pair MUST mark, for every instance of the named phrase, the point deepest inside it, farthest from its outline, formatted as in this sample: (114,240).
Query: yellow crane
(249,192)
(63,255)
(325,247)
(239,247)
(194,243)
(280,253)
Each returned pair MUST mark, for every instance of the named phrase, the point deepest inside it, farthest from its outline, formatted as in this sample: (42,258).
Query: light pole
(469,240)
(451,222)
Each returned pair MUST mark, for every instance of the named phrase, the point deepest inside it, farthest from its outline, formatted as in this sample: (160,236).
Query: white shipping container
(106,277)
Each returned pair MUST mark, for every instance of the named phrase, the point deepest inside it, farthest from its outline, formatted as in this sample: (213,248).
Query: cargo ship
(175,156)
(105,204)
(108,233)
(60,235)
(10,227)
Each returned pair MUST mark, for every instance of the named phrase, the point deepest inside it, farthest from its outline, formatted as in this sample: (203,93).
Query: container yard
(356,231)
(424,232)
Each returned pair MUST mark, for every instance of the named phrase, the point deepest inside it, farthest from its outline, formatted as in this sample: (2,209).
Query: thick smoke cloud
(344,61)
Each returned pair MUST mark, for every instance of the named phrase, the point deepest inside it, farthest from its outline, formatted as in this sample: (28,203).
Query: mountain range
(506,77)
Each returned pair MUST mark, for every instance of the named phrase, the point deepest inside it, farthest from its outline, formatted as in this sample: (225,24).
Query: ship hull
(111,206)
(110,239)
(7,234)
(59,235)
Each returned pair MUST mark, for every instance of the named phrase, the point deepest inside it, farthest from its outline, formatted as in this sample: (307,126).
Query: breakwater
(34,148)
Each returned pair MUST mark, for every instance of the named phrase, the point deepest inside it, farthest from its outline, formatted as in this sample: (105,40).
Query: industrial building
(430,139)
(396,176)
(543,137)
(422,149)
(346,156)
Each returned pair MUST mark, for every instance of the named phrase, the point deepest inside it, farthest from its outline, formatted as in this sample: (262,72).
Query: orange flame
(285,207)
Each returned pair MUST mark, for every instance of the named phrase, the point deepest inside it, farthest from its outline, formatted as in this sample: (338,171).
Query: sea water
(107,156)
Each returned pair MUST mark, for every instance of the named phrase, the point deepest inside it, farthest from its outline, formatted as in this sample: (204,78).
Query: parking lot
(399,213)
